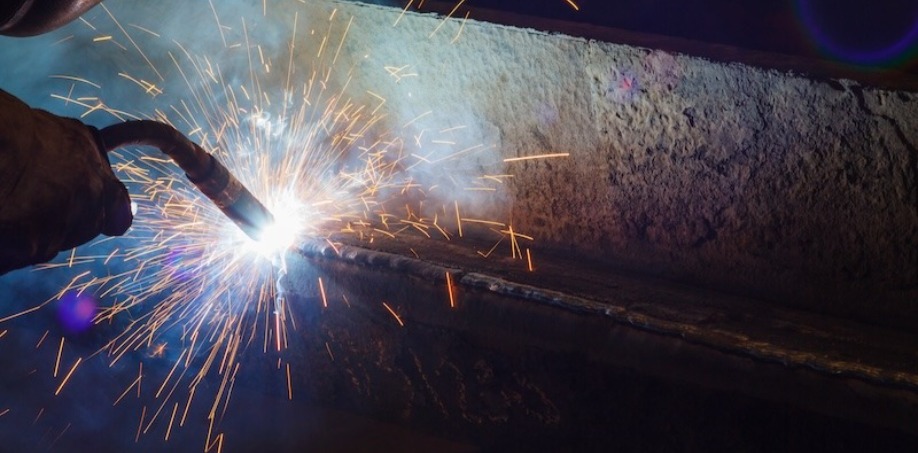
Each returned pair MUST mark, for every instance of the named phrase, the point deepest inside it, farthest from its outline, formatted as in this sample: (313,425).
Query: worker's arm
(57,189)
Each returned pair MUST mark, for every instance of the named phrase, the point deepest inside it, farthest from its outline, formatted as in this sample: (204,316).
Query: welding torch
(34,17)
(203,169)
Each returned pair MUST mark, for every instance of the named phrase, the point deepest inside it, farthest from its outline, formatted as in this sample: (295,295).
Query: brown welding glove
(57,189)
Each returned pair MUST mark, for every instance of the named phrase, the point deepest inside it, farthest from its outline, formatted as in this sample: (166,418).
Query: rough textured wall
(776,185)
(792,190)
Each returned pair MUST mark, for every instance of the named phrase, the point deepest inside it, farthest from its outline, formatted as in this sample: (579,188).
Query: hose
(207,173)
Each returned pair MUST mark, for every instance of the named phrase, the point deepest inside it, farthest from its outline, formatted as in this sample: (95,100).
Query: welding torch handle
(207,173)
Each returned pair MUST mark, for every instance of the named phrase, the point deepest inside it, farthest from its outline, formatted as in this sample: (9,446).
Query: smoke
(69,71)
(162,60)
(140,59)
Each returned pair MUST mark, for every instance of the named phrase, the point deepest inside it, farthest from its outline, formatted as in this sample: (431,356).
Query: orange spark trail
(396,316)
(449,289)
(539,156)
(67,377)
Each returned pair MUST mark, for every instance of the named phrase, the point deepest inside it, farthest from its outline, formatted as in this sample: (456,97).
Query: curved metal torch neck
(196,162)
(206,172)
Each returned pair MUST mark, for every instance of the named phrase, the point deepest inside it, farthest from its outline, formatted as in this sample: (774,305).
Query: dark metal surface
(515,366)
(34,17)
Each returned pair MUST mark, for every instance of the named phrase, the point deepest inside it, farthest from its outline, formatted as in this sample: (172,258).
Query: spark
(157,351)
(123,394)
(384,232)
(514,244)
(458,218)
(404,10)
(321,160)
(448,16)
(57,363)
(51,447)
(63,40)
(87,23)
(398,73)
(171,420)
(42,339)
(322,290)
(169,376)
(143,413)
(382,101)
(449,289)
(67,377)
(540,156)
(461,27)
(126,34)
(416,119)
(149,88)
(394,314)
(75,79)
(333,246)
(494,247)
(290,382)
(277,330)
(218,442)
(145,30)
(484,222)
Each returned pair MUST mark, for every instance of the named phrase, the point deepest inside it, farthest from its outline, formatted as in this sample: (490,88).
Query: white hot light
(280,235)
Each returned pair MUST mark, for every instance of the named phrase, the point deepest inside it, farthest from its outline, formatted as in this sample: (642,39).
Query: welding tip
(210,176)
(234,200)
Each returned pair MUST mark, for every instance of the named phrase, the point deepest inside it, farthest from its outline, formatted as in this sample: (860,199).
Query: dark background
(843,31)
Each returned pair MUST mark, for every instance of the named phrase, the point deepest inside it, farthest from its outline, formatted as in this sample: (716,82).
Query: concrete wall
(797,191)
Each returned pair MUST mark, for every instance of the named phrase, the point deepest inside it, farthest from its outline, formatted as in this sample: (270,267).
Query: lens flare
(876,46)
(75,312)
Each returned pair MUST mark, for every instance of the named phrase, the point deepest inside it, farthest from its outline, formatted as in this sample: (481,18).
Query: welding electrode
(201,168)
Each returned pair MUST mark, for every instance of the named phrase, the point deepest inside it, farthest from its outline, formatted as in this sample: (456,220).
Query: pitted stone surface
(792,190)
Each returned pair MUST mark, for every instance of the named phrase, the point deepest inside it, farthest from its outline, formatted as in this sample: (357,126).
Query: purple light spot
(75,313)
(624,87)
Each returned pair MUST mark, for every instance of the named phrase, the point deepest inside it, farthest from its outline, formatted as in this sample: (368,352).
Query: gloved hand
(57,189)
